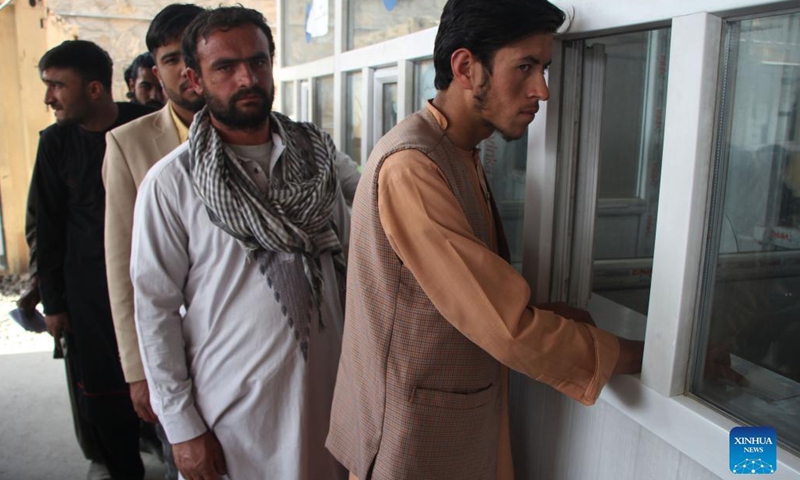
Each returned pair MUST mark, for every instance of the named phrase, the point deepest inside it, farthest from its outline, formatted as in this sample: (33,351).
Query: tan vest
(414,398)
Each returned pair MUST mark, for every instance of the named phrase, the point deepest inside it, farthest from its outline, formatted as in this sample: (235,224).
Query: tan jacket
(130,152)
(433,312)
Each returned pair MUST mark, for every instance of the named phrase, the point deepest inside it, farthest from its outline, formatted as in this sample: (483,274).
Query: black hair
(91,62)
(144,60)
(222,18)
(485,26)
(169,24)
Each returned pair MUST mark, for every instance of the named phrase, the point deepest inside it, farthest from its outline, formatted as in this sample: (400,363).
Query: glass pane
(389,107)
(634,69)
(354,128)
(505,164)
(308,31)
(424,74)
(323,103)
(287,99)
(373,21)
(749,364)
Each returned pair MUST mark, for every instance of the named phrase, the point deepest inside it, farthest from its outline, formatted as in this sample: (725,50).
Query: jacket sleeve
(120,200)
(477,291)
(51,201)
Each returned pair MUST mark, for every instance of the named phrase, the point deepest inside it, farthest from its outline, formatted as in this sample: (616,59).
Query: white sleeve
(159,268)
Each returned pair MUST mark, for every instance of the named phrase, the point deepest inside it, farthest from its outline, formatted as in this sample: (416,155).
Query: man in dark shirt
(70,204)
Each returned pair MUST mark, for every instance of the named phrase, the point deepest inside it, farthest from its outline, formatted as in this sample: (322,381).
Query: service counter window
(307,31)
(505,164)
(748,360)
(614,99)
(353,122)
(424,75)
(287,99)
(375,21)
(323,103)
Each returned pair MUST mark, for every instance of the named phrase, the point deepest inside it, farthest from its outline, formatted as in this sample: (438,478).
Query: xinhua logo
(754,450)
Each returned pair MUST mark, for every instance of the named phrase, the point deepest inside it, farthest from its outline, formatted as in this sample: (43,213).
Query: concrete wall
(119,26)
(26,32)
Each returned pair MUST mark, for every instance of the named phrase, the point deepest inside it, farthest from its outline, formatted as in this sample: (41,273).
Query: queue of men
(202,264)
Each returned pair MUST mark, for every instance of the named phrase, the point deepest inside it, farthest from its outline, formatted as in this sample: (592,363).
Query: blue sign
(753,450)
(390,4)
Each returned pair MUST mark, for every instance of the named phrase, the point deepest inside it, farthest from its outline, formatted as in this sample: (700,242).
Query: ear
(131,85)
(158,75)
(195,80)
(95,89)
(465,68)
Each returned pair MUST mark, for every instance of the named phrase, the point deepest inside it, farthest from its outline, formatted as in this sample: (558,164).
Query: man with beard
(132,149)
(246,228)
(69,205)
(436,315)
(143,86)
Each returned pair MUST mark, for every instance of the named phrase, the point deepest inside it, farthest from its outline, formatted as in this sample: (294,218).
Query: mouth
(249,98)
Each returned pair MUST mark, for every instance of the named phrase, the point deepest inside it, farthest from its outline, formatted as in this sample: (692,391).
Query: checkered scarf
(293,216)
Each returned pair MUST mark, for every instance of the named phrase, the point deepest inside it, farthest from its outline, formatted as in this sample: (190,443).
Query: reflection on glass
(323,103)
(631,138)
(749,364)
(389,107)
(307,31)
(374,21)
(424,75)
(505,164)
(287,99)
(354,128)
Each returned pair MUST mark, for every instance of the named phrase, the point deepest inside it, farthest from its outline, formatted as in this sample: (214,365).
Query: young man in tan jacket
(435,313)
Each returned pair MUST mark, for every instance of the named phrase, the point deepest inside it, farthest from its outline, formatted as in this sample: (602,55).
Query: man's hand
(30,297)
(630,357)
(567,311)
(200,458)
(56,324)
(140,396)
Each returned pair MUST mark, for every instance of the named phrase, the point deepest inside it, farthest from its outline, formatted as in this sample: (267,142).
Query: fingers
(200,458)
(145,412)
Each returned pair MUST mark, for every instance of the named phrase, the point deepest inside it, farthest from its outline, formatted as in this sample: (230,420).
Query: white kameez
(231,362)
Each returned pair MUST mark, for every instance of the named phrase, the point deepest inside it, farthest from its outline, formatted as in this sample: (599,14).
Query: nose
(245,75)
(48,96)
(538,89)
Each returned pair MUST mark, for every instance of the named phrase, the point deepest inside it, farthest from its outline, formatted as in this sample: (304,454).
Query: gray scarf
(292,216)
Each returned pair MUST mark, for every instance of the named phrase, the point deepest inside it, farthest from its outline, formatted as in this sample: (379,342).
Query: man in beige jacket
(130,153)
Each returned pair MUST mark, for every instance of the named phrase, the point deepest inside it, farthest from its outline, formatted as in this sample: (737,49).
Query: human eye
(525,67)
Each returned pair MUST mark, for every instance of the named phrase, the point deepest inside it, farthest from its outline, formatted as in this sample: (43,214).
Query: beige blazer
(131,150)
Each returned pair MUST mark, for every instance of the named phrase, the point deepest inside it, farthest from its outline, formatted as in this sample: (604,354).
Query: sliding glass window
(748,360)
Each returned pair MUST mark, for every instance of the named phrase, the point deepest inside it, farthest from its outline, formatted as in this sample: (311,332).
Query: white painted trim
(697,431)
(405,89)
(588,171)
(592,16)
(540,185)
(688,149)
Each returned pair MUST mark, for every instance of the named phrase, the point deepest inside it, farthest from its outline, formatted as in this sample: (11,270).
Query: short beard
(480,96)
(191,105)
(231,117)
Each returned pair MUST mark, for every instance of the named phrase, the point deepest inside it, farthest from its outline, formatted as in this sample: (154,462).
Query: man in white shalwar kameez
(245,227)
